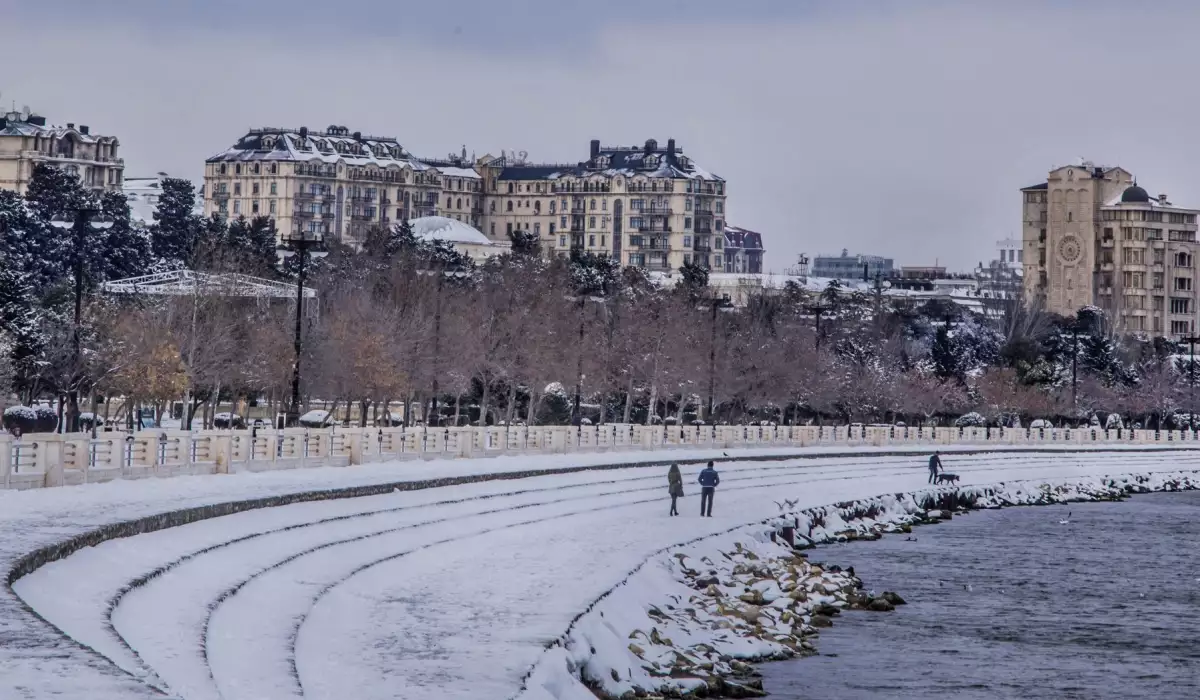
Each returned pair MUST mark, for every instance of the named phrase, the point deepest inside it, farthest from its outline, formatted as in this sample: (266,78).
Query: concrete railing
(39,460)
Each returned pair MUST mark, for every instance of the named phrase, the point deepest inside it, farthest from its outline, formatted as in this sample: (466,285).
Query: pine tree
(177,229)
(525,243)
(693,280)
(942,353)
(19,323)
(593,274)
(121,251)
(253,242)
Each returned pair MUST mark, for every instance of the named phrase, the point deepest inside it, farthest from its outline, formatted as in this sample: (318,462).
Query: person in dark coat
(674,486)
(935,463)
(708,486)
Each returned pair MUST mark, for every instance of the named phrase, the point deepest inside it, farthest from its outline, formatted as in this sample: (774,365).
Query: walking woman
(675,486)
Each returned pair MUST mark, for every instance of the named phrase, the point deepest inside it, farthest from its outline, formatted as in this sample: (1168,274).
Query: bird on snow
(791,504)
(1066,520)
(725,453)
(968,588)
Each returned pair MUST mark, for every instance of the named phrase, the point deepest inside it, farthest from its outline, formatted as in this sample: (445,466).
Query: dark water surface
(1012,604)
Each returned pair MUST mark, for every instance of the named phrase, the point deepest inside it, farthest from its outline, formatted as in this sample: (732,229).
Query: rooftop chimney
(70,125)
(670,148)
(595,152)
(651,146)
(304,132)
(84,129)
(1162,199)
(357,136)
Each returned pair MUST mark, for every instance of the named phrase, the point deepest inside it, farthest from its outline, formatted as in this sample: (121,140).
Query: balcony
(579,210)
(1106,267)
(1106,243)
(704,230)
(302,214)
(360,217)
(220,196)
(703,212)
(361,198)
(662,210)
(576,228)
(702,247)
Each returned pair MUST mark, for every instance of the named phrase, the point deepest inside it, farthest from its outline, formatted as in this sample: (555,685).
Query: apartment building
(852,267)
(1091,235)
(743,250)
(649,206)
(336,183)
(1000,279)
(26,140)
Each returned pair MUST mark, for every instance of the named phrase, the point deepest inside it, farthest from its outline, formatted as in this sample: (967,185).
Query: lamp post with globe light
(305,245)
(77,221)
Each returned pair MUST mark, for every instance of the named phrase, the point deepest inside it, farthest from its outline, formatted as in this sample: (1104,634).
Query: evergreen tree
(53,191)
(832,294)
(253,242)
(525,243)
(177,229)
(942,353)
(27,242)
(593,274)
(693,280)
(383,243)
(19,322)
(121,251)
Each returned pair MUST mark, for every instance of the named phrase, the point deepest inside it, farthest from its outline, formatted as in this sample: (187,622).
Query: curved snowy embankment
(688,621)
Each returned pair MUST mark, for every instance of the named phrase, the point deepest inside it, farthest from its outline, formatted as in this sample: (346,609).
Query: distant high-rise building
(1092,236)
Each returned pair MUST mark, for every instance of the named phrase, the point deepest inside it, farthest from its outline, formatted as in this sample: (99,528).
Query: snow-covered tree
(177,228)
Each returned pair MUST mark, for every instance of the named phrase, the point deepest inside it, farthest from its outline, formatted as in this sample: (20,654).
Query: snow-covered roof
(451,171)
(446,229)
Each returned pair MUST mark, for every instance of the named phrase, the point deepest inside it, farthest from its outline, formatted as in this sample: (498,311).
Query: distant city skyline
(897,129)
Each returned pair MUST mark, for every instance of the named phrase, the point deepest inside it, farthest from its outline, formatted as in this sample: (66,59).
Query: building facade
(1091,236)
(334,183)
(26,140)
(648,206)
(852,267)
(743,251)
(1001,279)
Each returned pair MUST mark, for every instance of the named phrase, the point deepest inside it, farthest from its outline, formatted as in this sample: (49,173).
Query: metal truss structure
(190,283)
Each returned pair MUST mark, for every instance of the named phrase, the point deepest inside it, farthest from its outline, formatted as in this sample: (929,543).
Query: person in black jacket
(935,463)
(708,485)
(674,486)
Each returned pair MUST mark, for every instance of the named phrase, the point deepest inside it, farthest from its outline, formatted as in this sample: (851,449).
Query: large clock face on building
(1069,249)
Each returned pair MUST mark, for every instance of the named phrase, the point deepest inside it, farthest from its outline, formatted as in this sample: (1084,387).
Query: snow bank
(688,621)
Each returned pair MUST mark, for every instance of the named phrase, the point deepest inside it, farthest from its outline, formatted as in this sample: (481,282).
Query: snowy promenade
(450,592)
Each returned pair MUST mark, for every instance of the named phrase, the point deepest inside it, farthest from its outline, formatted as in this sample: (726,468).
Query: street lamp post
(434,417)
(715,305)
(304,246)
(97,220)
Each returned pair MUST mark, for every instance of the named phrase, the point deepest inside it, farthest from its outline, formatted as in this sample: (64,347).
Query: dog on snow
(947,478)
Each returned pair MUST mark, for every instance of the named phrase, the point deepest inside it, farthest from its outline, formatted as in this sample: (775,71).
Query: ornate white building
(26,140)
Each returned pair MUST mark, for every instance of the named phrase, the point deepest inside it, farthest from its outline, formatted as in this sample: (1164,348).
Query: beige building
(335,183)
(644,205)
(648,206)
(1091,236)
(26,140)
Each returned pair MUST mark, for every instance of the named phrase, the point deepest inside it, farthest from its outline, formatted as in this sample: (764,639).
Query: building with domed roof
(26,140)
(1092,236)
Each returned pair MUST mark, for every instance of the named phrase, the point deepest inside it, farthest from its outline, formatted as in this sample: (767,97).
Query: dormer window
(602,162)
(651,161)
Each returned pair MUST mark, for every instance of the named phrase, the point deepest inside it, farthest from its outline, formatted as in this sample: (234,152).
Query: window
(604,205)
(563,222)
(237,169)
(1183,284)
(274,188)
(237,189)
(508,228)
(717,260)
(593,205)
(254,188)
(687,241)
(537,207)
(603,240)
(720,207)
(687,223)
(272,209)
(562,241)
(537,228)
(687,258)
(592,240)
(1157,281)
(458,203)
(1159,256)
(237,206)
(1180,306)
(635,223)
(687,204)
(1179,327)
(718,242)
(509,206)
(1183,260)
(492,229)
(1158,303)
(510,188)
(592,221)
(254,207)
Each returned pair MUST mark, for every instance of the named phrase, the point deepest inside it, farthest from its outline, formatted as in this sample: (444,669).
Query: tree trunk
(652,407)
(483,403)
(628,401)
(535,400)
(363,407)
(512,405)
(457,408)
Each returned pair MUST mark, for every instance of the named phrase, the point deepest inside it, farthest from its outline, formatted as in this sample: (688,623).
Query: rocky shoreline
(692,621)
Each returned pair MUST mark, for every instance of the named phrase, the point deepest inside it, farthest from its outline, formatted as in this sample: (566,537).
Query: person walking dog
(935,463)
(708,486)
(674,486)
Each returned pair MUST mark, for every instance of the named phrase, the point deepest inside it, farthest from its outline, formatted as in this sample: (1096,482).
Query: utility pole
(302,246)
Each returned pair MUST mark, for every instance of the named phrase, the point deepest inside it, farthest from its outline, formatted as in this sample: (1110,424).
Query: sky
(899,128)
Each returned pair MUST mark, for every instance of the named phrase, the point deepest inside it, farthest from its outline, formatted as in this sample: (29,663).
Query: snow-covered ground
(453,592)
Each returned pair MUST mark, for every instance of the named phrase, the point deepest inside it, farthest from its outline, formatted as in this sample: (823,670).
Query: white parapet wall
(42,460)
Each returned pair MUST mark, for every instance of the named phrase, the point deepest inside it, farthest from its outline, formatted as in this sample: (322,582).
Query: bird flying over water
(1066,520)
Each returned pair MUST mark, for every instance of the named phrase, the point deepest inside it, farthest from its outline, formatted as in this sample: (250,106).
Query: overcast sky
(897,128)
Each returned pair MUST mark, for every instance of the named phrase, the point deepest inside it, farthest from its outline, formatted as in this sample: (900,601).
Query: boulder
(894,598)
(880,605)
(821,621)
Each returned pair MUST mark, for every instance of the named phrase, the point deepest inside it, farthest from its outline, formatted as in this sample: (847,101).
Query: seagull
(725,453)
(1066,520)
(910,539)
(967,587)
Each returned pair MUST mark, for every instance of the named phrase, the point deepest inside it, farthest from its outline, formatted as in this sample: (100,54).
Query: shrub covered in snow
(1113,422)
(316,419)
(1041,423)
(970,420)
(225,420)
